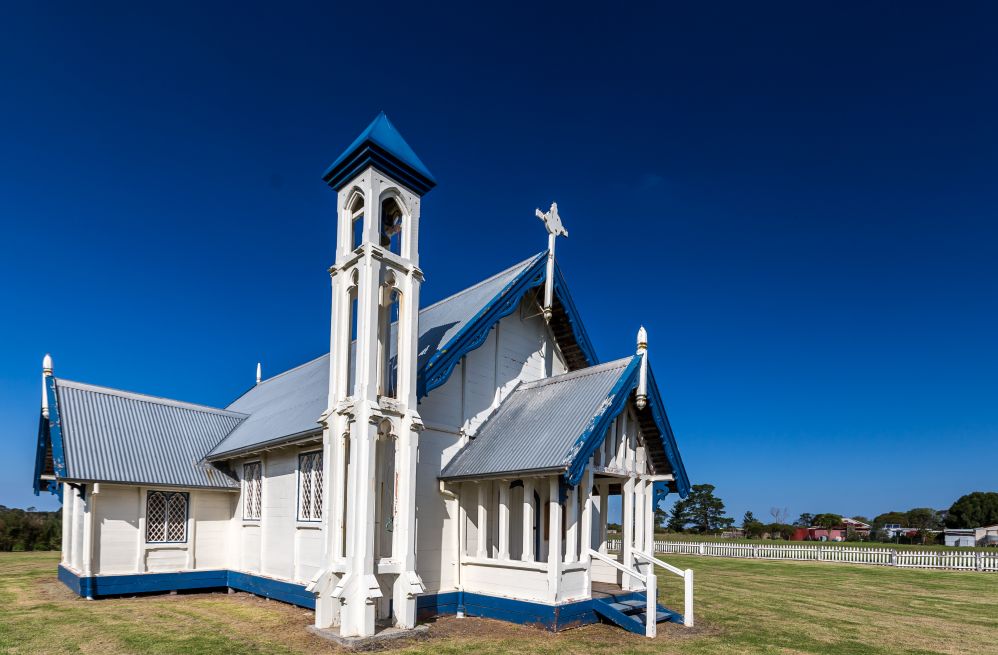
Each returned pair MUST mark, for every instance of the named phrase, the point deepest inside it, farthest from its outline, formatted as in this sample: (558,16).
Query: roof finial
(259,372)
(642,396)
(46,373)
(552,221)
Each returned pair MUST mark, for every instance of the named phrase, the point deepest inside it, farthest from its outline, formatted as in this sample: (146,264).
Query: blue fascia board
(668,437)
(595,432)
(50,430)
(43,436)
(615,402)
(439,367)
(574,318)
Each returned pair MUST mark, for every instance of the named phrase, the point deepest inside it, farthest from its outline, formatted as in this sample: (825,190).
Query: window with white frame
(166,517)
(252,491)
(310,486)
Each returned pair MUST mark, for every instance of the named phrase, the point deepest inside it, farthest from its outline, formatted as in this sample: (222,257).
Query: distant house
(895,530)
(838,533)
(983,536)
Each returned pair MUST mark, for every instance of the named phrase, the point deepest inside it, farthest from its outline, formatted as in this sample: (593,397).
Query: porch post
(572,524)
(527,553)
(483,520)
(587,522)
(554,537)
(650,518)
(604,507)
(503,519)
(627,538)
(639,514)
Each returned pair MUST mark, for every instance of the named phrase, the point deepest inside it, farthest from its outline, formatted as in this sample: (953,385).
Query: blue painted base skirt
(550,617)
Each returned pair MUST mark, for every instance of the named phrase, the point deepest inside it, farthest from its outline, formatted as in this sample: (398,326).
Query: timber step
(631,614)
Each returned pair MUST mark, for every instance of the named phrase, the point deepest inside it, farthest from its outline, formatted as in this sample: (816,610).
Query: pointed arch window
(391,225)
(389,331)
(355,211)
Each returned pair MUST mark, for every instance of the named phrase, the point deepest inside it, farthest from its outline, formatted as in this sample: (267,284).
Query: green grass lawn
(742,606)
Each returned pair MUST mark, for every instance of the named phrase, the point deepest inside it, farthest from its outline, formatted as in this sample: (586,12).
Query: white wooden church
(458,458)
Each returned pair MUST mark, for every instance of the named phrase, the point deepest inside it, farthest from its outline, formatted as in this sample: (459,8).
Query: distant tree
(861,519)
(887,518)
(924,519)
(974,510)
(805,520)
(661,518)
(22,530)
(701,510)
(779,514)
(748,518)
(827,521)
(679,516)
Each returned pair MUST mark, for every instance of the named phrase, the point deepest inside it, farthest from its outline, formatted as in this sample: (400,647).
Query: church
(456,458)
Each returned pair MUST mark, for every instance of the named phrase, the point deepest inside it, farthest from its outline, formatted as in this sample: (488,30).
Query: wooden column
(639,515)
(462,521)
(627,538)
(587,521)
(483,519)
(503,519)
(554,538)
(650,518)
(528,520)
(604,507)
(572,525)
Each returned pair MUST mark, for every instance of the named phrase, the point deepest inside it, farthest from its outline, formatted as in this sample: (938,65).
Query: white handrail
(687,577)
(617,565)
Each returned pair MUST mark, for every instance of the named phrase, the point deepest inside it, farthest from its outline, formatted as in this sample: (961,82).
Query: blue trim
(43,437)
(550,617)
(574,319)
(118,585)
(595,432)
(668,437)
(52,431)
(439,367)
(616,400)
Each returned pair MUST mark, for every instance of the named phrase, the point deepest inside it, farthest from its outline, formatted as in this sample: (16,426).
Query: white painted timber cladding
(278,545)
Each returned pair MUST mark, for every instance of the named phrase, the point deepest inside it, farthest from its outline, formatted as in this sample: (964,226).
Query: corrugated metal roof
(538,426)
(118,436)
(292,402)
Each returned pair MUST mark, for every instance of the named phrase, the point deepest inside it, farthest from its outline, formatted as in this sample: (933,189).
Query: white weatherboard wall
(277,545)
(119,543)
(519,349)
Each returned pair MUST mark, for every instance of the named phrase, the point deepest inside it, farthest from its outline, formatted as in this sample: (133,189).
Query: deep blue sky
(799,204)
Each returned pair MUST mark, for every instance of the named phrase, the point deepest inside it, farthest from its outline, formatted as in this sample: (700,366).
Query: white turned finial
(46,372)
(552,221)
(259,372)
(642,395)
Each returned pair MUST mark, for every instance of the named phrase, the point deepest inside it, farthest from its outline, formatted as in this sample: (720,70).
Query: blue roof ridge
(144,397)
(580,373)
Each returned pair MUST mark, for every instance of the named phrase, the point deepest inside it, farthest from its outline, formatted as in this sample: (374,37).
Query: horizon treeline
(29,529)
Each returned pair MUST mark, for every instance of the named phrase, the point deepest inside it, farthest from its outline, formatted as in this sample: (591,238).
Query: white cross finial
(552,221)
(641,399)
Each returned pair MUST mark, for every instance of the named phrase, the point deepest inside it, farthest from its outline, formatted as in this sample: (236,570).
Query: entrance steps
(631,614)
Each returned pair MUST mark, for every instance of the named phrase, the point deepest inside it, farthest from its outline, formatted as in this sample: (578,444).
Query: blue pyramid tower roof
(381,146)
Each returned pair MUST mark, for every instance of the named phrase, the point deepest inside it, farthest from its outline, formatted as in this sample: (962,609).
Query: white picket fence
(953,560)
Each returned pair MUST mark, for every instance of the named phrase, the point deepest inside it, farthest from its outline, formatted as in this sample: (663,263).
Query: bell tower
(371,424)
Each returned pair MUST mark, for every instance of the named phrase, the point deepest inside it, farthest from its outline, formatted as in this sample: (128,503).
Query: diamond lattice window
(252,491)
(310,486)
(166,516)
